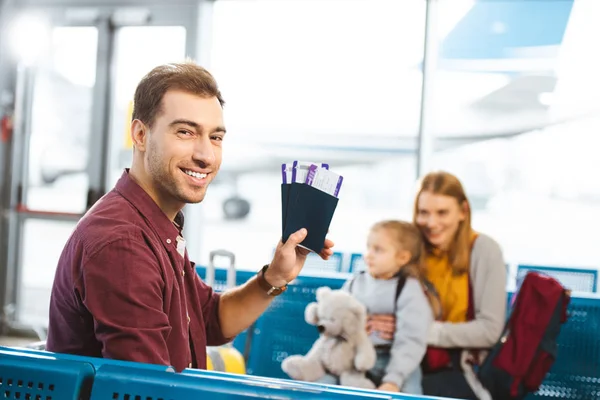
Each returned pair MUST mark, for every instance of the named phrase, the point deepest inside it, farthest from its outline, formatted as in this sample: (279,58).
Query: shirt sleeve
(122,287)
(210,301)
(413,319)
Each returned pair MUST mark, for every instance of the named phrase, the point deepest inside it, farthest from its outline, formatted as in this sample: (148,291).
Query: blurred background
(504,94)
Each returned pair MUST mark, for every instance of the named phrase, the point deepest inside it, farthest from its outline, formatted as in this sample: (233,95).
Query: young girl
(393,284)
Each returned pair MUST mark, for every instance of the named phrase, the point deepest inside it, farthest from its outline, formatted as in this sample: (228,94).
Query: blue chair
(282,331)
(294,384)
(357,263)
(314,263)
(94,361)
(574,374)
(220,284)
(119,383)
(576,279)
(30,376)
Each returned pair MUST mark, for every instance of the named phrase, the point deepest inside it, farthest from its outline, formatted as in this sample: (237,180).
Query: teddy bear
(343,348)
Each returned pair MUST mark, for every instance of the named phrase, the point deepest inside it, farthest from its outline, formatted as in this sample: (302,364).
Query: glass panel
(137,50)
(61,121)
(339,82)
(369,193)
(43,242)
(530,86)
(333,67)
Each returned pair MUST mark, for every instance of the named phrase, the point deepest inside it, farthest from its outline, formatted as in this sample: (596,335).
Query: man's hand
(289,259)
(389,387)
(383,324)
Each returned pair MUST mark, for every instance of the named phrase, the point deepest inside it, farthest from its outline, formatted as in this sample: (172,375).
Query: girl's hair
(409,238)
(446,184)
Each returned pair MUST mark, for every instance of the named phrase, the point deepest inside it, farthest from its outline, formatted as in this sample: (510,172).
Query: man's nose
(204,151)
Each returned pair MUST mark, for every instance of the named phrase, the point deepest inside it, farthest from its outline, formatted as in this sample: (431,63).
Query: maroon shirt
(123,291)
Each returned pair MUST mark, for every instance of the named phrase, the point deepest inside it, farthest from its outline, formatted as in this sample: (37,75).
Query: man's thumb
(297,237)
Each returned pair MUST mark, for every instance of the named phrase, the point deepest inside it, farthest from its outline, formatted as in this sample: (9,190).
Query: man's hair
(187,77)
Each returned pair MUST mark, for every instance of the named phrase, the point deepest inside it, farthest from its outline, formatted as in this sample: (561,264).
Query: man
(124,286)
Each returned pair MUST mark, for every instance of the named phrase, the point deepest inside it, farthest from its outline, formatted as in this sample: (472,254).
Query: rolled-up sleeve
(209,301)
(122,287)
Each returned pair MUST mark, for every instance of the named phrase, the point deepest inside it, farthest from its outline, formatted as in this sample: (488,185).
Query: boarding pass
(297,171)
(324,180)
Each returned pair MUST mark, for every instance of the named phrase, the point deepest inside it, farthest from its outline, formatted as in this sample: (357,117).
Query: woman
(465,268)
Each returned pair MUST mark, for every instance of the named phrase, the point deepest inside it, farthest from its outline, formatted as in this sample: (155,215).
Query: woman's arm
(488,279)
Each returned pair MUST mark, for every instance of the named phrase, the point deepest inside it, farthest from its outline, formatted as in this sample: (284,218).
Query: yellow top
(453,290)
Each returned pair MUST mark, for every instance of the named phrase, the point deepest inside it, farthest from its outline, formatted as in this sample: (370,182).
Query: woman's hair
(446,184)
(408,237)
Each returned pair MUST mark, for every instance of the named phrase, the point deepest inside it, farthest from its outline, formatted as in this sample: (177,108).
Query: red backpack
(520,360)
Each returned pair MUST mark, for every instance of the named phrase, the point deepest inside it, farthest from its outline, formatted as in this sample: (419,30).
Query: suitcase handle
(210,270)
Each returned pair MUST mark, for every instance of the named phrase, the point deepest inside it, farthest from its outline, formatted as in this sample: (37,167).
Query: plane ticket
(297,171)
(324,180)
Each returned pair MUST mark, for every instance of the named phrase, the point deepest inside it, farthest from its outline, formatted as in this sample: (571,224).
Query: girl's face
(384,257)
(438,217)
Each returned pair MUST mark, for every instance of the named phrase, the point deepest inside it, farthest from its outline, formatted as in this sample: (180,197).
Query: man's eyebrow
(184,122)
(195,125)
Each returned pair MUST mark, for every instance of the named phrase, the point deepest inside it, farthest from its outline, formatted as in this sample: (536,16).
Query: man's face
(183,151)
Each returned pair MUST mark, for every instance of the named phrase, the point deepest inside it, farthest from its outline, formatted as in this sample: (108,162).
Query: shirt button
(190,366)
(188,318)
(182,273)
(169,241)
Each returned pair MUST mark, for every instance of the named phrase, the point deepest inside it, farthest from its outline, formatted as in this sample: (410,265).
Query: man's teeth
(195,174)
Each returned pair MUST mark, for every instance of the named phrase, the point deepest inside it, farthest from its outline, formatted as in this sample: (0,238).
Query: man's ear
(139,134)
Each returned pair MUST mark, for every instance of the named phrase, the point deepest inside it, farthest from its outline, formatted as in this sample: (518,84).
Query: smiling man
(124,286)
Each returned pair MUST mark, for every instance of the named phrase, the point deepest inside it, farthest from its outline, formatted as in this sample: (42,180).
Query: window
(328,81)
(522,135)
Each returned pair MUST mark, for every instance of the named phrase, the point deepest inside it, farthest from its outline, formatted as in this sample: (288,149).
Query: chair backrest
(314,263)
(576,279)
(282,331)
(574,375)
(303,385)
(357,263)
(37,377)
(119,383)
(220,283)
(94,361)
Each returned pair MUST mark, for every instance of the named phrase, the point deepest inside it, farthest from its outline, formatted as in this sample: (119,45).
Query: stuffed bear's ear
(322,293)
(311,314)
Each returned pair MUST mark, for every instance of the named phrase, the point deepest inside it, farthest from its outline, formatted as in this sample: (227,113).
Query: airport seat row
(38,375)
(576,279)
(281,331)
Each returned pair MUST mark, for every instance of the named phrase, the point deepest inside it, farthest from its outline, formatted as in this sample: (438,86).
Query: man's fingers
(326,253)
(296,238)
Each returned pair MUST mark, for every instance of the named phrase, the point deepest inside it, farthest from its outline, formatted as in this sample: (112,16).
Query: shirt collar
(153,214)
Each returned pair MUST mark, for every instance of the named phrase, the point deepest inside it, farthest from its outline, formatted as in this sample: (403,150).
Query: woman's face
(438,217)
